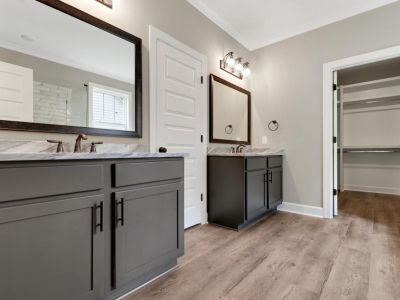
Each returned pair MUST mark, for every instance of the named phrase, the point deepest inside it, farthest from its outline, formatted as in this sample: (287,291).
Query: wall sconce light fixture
(246,71)
(235,67)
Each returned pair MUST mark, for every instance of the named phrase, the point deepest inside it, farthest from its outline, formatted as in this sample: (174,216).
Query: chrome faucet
(239,148)
(78,148)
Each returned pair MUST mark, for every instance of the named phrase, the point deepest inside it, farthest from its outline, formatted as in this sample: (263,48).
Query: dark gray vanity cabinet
(241,190)
(88,229)
(256,194)
(52,250)
(152,218)
(274,187)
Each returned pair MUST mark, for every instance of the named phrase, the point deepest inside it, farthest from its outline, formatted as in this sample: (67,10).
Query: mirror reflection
(56,69)
(230,106)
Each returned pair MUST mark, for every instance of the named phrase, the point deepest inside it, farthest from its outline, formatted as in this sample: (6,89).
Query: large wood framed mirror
(65,71)
(230,113)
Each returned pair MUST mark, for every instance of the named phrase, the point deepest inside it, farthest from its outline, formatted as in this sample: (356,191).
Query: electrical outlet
(264,140)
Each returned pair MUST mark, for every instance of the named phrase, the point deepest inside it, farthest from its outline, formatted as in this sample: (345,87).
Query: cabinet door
(52,250)
(274,187)
(256,190)
(148,227)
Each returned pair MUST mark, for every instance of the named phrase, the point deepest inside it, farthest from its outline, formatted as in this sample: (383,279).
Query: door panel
(148,230)
(16,93)
(52,250)
(256,193)
(179,117)
(274,187)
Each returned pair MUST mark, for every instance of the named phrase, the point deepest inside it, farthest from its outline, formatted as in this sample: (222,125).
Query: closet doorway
(362,130)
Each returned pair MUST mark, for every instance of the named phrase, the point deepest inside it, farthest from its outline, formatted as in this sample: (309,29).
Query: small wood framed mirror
(230,113)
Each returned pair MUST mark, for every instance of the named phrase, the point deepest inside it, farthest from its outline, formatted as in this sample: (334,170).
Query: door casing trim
(327,111)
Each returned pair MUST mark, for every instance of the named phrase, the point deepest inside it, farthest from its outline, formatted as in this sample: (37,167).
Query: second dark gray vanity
(243,188)
(88,226)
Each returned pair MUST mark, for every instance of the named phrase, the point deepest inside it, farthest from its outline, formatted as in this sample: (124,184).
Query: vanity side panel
(226,191)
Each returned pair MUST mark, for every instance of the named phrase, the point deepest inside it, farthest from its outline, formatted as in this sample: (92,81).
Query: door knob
(162,150)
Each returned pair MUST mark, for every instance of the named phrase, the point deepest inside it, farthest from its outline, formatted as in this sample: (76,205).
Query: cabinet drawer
(137,173)
(275,162)
(25,183)
(256,163)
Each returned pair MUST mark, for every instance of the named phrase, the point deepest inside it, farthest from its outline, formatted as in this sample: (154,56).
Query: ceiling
(258,23)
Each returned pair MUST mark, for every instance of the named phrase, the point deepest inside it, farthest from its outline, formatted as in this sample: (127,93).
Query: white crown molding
(220,22)
(345,13)
(311,211)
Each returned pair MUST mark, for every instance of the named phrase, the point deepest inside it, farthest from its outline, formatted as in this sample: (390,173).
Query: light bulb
(239,67)
(247,72)
(231,61)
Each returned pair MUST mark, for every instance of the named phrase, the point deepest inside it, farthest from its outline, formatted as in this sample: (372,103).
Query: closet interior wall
(370,138)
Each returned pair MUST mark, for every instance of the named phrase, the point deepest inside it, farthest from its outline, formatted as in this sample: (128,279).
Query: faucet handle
(93,147)
(60,148)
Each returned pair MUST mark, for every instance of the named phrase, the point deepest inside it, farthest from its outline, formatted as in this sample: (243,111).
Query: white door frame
(328,69)
(156,34)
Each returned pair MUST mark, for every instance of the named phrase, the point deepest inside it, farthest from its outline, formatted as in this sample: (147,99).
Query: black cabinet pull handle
(117,218)
(101,215)
(271,177)
(122,212)
(162,150)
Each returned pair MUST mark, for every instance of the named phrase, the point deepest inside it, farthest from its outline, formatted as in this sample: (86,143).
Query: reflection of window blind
(109,111)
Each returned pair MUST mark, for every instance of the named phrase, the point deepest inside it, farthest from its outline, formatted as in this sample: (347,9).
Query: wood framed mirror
(230,113)
(65,71)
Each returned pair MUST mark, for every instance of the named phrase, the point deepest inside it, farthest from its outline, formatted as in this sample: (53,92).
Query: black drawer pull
(271,177)
(96,206)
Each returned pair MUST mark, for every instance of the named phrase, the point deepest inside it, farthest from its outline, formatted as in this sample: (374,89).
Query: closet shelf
(374,149)
(372,100)
(371,83)
(372,92)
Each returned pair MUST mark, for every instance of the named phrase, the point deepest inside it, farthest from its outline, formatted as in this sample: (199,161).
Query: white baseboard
(371,189)
(306,210)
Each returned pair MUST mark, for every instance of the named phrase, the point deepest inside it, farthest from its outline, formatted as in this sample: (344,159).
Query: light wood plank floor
(293,257)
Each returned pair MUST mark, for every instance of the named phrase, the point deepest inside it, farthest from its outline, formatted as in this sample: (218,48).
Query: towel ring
(227,130)
(276,125)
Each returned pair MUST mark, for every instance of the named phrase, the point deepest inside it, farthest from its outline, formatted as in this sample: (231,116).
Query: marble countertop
(83,156)
(253,153)
(14,150)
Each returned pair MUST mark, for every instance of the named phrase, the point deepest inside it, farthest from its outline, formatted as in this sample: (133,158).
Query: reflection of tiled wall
(77,108)
(50,103)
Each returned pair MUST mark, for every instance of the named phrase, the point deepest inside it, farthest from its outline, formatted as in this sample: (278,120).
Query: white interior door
(335,146)
(16,93)
(178,115)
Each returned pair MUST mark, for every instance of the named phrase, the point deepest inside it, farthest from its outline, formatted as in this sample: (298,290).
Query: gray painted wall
(177,18)
(287,86)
